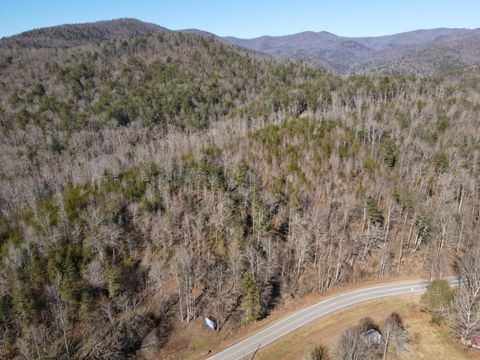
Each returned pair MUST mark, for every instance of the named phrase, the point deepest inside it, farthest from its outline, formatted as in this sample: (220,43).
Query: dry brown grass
(429,341)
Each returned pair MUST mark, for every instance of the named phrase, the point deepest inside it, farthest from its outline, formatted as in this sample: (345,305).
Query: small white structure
(210,323)
(373,336)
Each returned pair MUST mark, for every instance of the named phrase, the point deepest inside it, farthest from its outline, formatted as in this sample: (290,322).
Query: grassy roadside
(429,341)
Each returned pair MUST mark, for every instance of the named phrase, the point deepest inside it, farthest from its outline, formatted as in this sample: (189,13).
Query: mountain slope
(421,51)
(69,35)
(322,47)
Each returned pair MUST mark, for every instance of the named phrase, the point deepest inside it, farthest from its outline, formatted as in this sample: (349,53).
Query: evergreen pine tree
(251,298)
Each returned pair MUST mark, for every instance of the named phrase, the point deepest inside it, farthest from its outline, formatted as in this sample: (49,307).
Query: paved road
(325,307)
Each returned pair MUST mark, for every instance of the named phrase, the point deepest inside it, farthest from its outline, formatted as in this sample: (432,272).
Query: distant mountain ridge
(422,52)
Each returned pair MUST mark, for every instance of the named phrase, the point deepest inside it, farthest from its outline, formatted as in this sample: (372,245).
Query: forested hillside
(69,35)
(152,180)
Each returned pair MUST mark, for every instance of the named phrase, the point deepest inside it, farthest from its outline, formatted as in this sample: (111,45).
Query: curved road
(325,307)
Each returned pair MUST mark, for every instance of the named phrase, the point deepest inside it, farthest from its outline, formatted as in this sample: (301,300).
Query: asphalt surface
(322,308)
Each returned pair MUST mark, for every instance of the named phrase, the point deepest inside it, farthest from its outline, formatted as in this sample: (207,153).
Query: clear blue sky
(250,18)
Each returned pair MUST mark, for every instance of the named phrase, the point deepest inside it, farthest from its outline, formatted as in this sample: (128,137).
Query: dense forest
(152,180)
